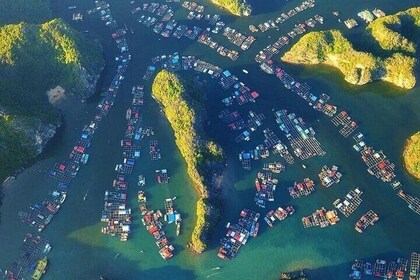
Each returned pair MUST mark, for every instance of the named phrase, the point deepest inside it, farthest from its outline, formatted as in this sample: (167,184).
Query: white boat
(85,196)
(63,198)
(304,166)
(85,158)
(245,71)
(142,181)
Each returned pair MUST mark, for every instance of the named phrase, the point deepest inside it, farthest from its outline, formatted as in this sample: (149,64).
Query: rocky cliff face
(35,58)
(87,83)
(359,68)
(236,7)
(41,134)
(33,133)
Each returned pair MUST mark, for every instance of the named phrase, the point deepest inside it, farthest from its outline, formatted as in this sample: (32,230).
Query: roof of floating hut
(226,73)
(173,217)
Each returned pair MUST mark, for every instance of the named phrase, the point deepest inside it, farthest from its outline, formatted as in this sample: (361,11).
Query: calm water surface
(387,115)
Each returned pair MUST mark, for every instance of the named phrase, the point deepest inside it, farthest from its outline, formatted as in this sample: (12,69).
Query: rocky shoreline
(411,155)
(238,8)
(183,106)
(39,134)
(331,48)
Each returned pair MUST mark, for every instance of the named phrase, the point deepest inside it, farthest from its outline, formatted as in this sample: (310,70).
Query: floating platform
(33,251)
(300,189)
(321,218)
(378,164)
(162,176)
(347,125)
(302,139)
(329,176)
(413,202)
(238,234)
(265,186)
(350,203)
(370,218)
(154,150)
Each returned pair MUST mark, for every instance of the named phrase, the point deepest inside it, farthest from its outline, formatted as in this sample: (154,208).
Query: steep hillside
(411,155)
(184,110)
(332,48)
(396,33)
(34,59)
(236,7)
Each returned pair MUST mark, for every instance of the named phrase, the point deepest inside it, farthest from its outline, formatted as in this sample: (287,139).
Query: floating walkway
(329,176)
(394,270)
(32,261)
(302,139)
(368,219)
(321,218)
(238,234)
(265,185)
(350,203)
(279,214)
(300,189)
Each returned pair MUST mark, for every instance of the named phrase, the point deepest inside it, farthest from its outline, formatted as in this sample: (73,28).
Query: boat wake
(211,275)
(86,194)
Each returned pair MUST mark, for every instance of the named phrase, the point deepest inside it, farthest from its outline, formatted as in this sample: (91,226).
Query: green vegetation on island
(411,155)
(396,33)
(330,47)
(15,148)
(184,109)
(35,58)
(236,7)
(394,61)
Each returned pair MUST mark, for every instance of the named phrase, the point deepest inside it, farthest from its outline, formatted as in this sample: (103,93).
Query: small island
(395,33)
(184,109)
(236,7)
(35,58)
(411,155)
(391,60)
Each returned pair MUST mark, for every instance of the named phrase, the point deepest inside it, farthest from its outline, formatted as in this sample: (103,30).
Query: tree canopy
(411,155)
(359,67)
(388,32)
(182,108)
(35,58)
(236,7)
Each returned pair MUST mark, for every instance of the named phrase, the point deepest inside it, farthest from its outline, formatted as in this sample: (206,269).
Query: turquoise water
(386,115)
